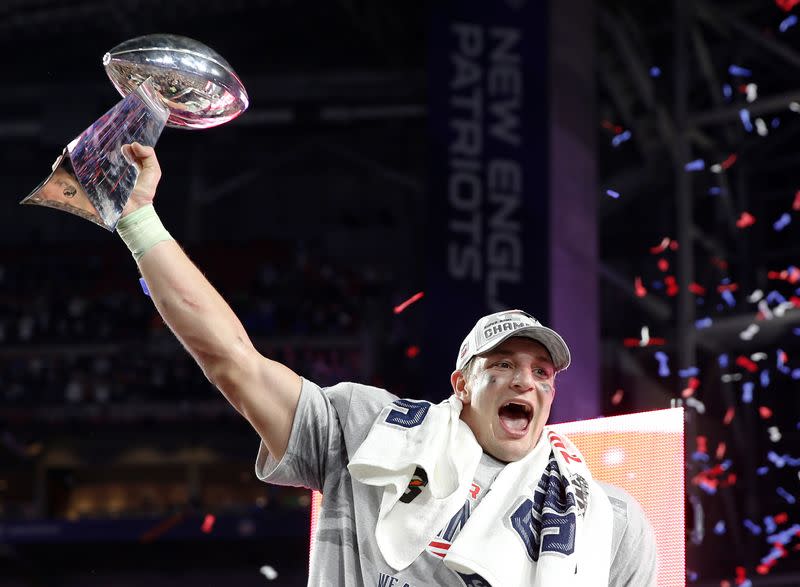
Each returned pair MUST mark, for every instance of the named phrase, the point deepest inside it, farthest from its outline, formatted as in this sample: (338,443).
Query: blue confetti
(747,392)
(727,91)
(765,378)
(776,122)
(762,471)
(703,323)
(657,285)
(796,373)
(714,190)
(696,165)
(785,536)
(744,115)
(663,367)
(796,331)
(769,525)
(691,575)
(739,71)
(786,495)
(774,297)
(719,528)
(755,529)
(612,193)
(728,297)
(655,71)
(700,457)
(776,460)
(689,372)
(782,222)
(723,360)
(145,289)
(787,23)
(621,138)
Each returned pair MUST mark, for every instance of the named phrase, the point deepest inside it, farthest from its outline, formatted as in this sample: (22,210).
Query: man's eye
(504,364)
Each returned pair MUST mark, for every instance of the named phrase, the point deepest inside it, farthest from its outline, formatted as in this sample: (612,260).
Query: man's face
(507,397)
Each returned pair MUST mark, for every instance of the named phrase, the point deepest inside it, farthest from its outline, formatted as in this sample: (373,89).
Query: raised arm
(263,391)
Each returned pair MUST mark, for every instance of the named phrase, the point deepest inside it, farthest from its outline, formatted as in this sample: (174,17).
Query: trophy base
(92,178)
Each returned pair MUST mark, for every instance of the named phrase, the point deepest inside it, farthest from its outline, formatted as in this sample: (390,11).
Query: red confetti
(732,157)
(729,416)
(727,287)
(796,203)
(781,518)
(745,220)
(793,275)
(702,444)
(721,448)
(208,523)
(617,397)
(697,289)
(721,263)
(746,363)
(639,288)
(787,5)
(672,285)
(661,247)
(673,245)
(765,412)
(399,308)
(663,264)
(412,351)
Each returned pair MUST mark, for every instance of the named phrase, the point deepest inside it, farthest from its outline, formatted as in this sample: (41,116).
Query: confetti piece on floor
(400,307)
(746,219)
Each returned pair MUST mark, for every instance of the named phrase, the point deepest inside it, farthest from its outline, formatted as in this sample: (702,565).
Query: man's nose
(523,380)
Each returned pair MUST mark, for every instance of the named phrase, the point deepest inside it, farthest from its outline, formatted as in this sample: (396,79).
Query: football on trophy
(195,83)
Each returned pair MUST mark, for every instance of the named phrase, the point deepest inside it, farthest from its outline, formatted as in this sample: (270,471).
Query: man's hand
(149,175)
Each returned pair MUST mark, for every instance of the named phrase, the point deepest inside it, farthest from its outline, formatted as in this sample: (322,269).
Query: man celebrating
(402,479)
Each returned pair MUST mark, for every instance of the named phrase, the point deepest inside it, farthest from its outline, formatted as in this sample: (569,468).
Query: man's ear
(459,384)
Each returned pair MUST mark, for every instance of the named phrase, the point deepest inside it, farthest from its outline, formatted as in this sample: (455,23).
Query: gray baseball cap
(493,329)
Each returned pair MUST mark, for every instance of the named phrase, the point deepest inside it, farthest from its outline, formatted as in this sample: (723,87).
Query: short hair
(469,366)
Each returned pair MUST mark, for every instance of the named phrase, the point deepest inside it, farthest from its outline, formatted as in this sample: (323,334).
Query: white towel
(440,444)
(543,522)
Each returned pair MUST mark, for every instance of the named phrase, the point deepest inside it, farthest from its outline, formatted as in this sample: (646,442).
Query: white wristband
(142,229)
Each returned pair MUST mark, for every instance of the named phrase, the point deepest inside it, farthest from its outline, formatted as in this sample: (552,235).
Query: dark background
(308,212)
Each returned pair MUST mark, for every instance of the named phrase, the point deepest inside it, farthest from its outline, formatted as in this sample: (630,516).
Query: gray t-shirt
(329,426)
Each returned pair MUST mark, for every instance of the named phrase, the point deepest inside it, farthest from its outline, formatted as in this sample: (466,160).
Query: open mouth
(515,417)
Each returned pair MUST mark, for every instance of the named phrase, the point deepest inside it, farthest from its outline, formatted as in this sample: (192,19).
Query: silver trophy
(166,80)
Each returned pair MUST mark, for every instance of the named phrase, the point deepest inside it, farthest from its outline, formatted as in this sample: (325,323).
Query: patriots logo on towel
(418,481)
(581,487)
